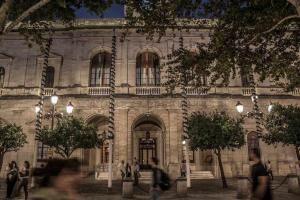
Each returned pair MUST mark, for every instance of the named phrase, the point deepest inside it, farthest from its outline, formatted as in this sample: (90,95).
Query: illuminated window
(100,70)
(147,69)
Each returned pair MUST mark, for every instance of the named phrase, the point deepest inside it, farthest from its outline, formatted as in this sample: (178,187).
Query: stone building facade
(148,121)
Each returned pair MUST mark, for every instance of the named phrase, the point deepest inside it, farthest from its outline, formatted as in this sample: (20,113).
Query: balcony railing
(296,92)
(196,91)
(49,92)
(101,91)
(247,91)
(148,91)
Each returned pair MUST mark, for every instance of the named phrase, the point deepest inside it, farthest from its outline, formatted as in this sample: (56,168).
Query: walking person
(128,170)
(269,169)
(156,177)
(11,180)
(261,189)
(136,173)
(122,169)
(183,169)
(24,179)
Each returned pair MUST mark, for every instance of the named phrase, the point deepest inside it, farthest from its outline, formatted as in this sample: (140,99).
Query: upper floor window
(100,69)
(245,78)
(147,69)
(2,74)
(49,82)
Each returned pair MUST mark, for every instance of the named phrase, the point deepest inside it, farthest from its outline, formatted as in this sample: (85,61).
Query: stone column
(242,187)
(293,183)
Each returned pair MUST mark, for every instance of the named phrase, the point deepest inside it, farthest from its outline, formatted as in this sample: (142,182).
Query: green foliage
(283,125)
(70,134)
(215,131)
(12,138)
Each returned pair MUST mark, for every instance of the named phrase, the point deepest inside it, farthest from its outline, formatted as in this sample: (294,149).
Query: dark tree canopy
(215,131)
(283,125)
(70,134)
(12,138)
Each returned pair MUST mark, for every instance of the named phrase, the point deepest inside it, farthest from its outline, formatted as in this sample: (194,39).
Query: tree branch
(296,4)
(273,27)
(25,14)
(4,10)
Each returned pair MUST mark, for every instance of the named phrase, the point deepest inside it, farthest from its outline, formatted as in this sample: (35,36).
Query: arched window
(50,71)
(147,69)
(252,140)
(2,75)
(100,70)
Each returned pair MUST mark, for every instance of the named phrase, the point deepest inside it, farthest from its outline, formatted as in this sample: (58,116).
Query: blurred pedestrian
(183,169)
(128,170)
(122,169)
(261,189)
(136,172)
(11,180)
(58,180)
(24,178)
(269,169)
(156,177)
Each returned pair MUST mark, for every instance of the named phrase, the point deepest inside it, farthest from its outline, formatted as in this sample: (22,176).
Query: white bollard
(127,188)
(293,183)
(181,187)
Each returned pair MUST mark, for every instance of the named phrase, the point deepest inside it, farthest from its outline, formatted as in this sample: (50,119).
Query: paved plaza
(201,190)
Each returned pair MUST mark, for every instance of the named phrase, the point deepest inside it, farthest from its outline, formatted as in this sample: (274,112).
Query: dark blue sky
(115,11)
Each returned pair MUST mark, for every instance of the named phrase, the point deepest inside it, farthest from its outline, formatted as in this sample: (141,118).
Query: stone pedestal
(127,188)
(242,187)
(181,187)
(293,183)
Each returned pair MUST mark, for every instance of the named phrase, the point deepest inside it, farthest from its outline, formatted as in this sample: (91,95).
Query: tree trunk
(298,155)
(4,10)
(1,160)
(218,153)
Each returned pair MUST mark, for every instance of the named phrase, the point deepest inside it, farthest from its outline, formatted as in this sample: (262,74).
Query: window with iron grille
(49,82)
(147,69)
(252,140)
(100,70)
(245,78)
(2,75)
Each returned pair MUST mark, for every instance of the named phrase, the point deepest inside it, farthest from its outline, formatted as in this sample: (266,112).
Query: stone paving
(201,190)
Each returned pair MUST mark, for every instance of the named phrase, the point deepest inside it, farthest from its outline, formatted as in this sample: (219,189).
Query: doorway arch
(98,156)
(148,140)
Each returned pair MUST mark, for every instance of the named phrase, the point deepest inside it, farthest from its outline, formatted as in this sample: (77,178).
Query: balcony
(247,91)
(148,91)
(197,91)
(48,92)
(295,92)
(99,91)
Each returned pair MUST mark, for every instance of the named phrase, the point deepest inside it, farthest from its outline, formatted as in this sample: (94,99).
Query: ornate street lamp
(54,99)
(270,107)
(69,108)
(239,107)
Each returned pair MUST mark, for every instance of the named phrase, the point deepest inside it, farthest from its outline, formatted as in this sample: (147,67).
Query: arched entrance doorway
(97,158)
(148,140)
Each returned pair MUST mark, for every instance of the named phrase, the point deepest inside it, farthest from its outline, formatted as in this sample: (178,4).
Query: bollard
(242,187)
(127,188)
(293,183)
(181,186)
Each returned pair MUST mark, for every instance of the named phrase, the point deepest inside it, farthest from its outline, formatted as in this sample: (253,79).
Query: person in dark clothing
(24,177)
(128,170)
(261,189)
(11,179)
(155,189)
(136,173)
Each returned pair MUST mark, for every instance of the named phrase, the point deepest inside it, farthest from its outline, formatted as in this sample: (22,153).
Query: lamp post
(52,114)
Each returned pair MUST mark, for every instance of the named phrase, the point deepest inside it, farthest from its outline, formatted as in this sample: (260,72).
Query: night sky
(115,11)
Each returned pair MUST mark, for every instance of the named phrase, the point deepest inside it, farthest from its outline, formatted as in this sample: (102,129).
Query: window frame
(2,76)
(144,79)
(99,74)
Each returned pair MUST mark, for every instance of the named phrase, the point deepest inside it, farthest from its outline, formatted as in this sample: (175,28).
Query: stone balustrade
(101,91)
(144,91)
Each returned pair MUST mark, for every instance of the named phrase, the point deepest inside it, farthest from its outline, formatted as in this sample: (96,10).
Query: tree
(12,138)
(215,131)
(70,134)
(251,36)
(283,125)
